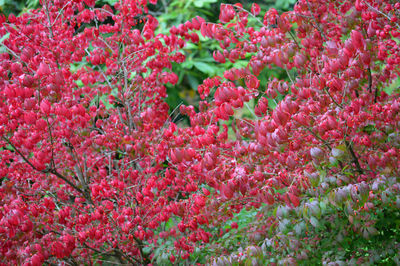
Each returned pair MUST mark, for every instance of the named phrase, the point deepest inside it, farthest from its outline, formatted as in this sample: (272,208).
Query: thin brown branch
(23,157)
(380,12)
(334,101)
(317,26)
(48,18)
(251,14)
(140,244)
(355,159)
(47,170)
(376,95)
(369,80)
(319,138)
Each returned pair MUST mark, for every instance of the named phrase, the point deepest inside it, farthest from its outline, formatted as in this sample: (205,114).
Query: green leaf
(322,205)
(111,2)
(79,83)
(188,64)
(314,221)
(298,228)
(271,103)
(193,82)
(170,223)
(147,250)
(392,87)
(205,68)
(369,129)
(32,3)
(202,3)
(322,175)
(305,211)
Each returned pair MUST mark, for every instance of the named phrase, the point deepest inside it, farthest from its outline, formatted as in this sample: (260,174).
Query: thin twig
(294,39)
(23,157)
(290,77)
(48,18)
(316,22)
(241,8)
(47,170)
(380,12)
(355,159)
(59,13)
(337,104)
(319,138)
(10,51)
(250,110)
(52,143)
(369,80)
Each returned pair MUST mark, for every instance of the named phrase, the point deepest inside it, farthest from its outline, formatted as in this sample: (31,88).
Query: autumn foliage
(92,166)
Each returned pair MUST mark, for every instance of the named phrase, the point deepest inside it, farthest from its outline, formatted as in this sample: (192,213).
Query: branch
(294,39)
(51,170)
(316,22)
(319,138)
(52,143)
(251,14)
(59,12)
(380,12)
(139,242)
(369,80)
(48,18)
(355,159)
(54,172)
(23,157)
(119,254)
(334,101)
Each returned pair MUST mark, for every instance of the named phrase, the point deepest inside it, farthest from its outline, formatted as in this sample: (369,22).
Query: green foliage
(393,88)
(347,224)
(11,6)
(284,4)
(200,63)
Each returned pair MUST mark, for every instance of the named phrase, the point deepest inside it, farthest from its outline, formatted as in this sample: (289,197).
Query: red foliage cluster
(92,165)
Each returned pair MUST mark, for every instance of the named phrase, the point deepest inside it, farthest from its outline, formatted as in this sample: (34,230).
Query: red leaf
(294,199)
(252,82)
(255,9)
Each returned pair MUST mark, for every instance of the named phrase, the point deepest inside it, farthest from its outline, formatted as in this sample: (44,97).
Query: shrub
(93,169)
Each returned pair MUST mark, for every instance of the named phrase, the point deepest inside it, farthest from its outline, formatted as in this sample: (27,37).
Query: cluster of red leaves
(91,163)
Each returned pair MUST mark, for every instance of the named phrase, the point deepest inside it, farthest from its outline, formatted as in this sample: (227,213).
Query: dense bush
(93,169)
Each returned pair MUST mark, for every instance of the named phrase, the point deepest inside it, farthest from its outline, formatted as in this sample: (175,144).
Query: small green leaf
(392,87)
(111,2)
(205,68)
(305,211)
(341,147)
(271,103)
(188,64)
(314,221)
(322,205)
(298,228)
(369,129)
(203,3)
